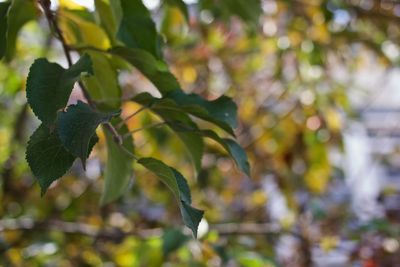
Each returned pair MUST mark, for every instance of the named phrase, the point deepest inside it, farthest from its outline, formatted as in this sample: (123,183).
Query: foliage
(182,85)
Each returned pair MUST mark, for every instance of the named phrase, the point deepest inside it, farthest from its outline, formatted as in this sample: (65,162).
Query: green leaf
(184,190)
(192,140)
(155,70)
(103,86)
(3,27)
(47,157)
(76,127)
(21,11)
(249,11)
(137,29)
(182,7)
(49,86)
(171,113)
(178,185)
(222,111)
(191,217)
(107,18)
(234,149)
(163,171)
(118,169)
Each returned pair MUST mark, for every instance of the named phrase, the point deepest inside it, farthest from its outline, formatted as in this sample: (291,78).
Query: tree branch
(53,24)
(115,234)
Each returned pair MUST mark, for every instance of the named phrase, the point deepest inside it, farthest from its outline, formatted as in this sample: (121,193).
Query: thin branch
(53,24)
(117,235)
(116,136)
(83,48)
(112,234)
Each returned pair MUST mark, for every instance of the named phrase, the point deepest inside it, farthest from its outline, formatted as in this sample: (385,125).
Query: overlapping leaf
(118,169)
(222,111)
(103,86)
(47,157)
(170,113)
(20,12)
(80,29)
(181,6)
(107,19)
(137,29)
(233,148)
(155,70)
(178,185)
(49,86)
(77,125)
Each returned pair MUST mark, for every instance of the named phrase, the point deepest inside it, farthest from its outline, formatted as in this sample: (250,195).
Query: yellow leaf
(70,4)
(333,119)
(317,179)
(328,243)
(189,74)
(80,32)
(258,198)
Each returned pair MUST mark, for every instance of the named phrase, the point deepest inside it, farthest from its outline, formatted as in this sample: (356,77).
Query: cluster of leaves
(278,60)
(69,132)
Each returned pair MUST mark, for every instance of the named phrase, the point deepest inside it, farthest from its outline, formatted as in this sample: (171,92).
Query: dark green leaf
(182,7)
(137,29)
(183,186)
(21,11)
(163,171)
(192,140)
(76,127)
(178,185)
(171,113)
(49,86)
(222,111)
(191,217)
(118,169)
(235,150)
(47,157)
(3,27)
(173,239)
(155,70)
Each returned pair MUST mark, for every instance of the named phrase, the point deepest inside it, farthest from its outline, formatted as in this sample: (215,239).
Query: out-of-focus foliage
(281,61)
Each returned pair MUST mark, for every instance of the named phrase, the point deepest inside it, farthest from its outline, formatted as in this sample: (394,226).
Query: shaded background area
(317,86)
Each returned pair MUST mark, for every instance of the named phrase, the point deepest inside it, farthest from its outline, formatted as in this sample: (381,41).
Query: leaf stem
(143,128)
(129,153)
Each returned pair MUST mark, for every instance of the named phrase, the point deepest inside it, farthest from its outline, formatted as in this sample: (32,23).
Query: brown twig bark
(115,234)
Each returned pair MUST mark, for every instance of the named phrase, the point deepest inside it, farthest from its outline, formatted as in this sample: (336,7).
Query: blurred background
(317,85)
